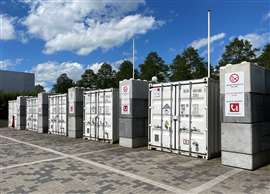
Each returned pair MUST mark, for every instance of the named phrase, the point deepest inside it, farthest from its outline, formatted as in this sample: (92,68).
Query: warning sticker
(71,108)
(235,105)
(234,82)
(166,109)
(234,94)
(125,91)
(156,92)
(125,107)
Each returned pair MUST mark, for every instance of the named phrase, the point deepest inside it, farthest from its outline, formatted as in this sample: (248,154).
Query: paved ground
(42,163)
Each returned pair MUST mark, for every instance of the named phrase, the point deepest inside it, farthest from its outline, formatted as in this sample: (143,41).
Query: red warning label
(234,107)
(125,108)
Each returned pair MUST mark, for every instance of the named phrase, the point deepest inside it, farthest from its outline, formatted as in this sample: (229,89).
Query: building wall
(16,81)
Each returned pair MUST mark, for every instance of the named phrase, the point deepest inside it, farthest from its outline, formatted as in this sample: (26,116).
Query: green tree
(126,71)
(264,59)
(188,65)
(38,89)
(237,51)
(180,70)
(106,77)
(88,79)
(195,62)
(154,66)
(63,83)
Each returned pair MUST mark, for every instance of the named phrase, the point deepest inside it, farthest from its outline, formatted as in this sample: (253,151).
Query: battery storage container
(32,114)
(101,115)
(184,117)
(12,113)
(58,114)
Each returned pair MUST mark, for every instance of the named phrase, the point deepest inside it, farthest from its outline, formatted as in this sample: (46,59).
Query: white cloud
(257,40)
(5,64)
(266,16)
(197,44)
(115,64)
(84,26)
(47,73)
(95,67)
(7,31)
(8,64)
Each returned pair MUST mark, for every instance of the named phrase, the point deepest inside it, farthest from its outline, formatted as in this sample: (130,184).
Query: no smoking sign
(234,78)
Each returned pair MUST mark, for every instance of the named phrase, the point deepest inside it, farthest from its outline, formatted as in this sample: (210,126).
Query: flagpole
(133,58)
(209,43)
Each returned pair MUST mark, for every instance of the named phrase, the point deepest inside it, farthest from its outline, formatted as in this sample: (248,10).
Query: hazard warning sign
(234,82)
(124,91)
(234,107)
(125,107)
(234,103)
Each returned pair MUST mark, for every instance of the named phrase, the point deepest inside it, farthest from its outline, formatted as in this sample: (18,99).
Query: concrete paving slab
(244,182)
(174,170)
(58,143)
(11,154)
(4,141)
(74,147)
(55,164)
(69,176)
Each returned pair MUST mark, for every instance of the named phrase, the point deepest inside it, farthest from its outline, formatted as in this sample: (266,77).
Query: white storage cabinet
(101,115)
(58,105)
(184,117)
(32,114)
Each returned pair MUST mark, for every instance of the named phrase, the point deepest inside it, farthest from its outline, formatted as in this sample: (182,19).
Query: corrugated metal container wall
(32,114)
(184,117)
(12,113)
(58,105)
(101,115)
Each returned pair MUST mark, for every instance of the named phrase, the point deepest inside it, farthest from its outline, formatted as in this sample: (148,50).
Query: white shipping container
(184,117)
(12,113)
(101,115)
(32,114)
(58,105)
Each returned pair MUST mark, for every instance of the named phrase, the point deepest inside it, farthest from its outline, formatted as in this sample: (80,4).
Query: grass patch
(3,123)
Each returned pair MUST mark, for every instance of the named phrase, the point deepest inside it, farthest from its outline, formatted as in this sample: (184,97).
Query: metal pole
(133,58)
(209,42)
(1,26)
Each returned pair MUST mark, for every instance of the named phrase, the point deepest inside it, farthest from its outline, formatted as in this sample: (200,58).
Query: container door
(105,115)
(163,126)
(108,113)
(64,113)
(93,114)
(56,116)
(28,114)
(35,116)
(192,109)
(87,115)
(50,115)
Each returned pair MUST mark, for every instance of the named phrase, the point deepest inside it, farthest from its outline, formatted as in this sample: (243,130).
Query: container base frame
(178,152)
(55,133)
(110,141)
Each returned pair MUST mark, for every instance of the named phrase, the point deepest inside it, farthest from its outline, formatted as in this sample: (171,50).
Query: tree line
(186,65)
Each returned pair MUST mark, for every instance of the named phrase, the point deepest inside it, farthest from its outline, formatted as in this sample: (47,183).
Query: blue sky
(52,37)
